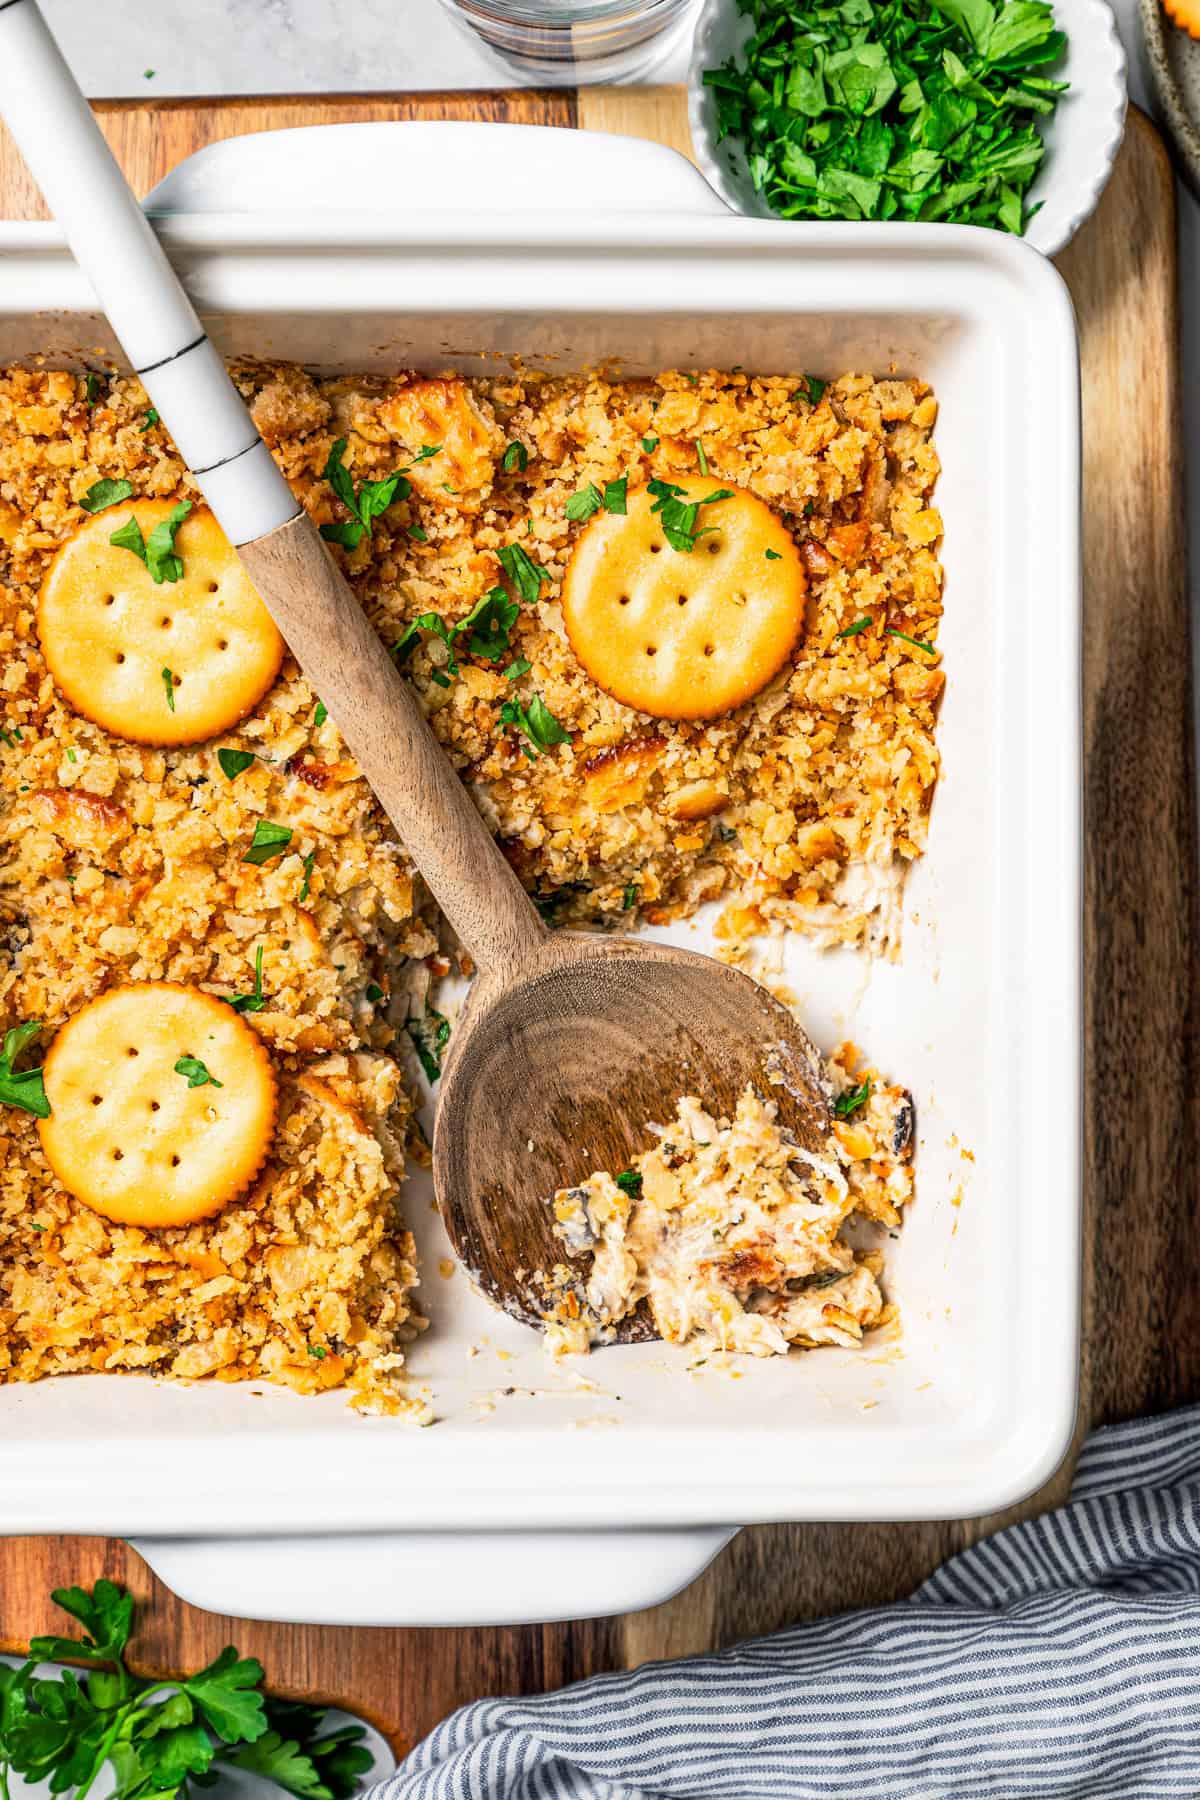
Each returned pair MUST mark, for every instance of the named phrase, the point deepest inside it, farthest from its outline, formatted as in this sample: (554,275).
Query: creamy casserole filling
(733,1236)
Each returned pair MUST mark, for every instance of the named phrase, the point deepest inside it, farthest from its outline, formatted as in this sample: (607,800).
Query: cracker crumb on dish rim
(257,867)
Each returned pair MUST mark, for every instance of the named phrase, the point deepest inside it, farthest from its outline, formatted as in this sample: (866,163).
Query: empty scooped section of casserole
(732,1235)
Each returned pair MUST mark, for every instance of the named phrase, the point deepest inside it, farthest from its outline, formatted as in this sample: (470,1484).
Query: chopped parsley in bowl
(907,110)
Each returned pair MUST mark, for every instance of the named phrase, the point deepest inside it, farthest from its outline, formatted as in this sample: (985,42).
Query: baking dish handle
(363,167)
(434,1578)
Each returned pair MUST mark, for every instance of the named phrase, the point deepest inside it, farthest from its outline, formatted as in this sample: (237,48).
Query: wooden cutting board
(1141,1349)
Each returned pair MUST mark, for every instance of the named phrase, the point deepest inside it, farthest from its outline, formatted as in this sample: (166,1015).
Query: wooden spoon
(569,1044)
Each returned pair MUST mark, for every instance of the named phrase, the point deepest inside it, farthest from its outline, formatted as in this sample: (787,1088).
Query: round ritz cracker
(135,1137)
(113,637)
(685,634)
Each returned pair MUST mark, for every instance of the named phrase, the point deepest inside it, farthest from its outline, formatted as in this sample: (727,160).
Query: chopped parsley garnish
(850,631)
(91,388)
(71,756)
(487,626)
(489,622)
(374,992)
(196,1072)
(516,456)
(526,575)
(905,110)
(650,445)
(306,884)
(106,493)
(430,1033)
(918,643)
(772,555)
(629,897)
(701,457)
(429,621)
(371,499)
(320,715)
(270,840)
(679,516)
(518,668)
(536,723)
(586,501)
(630,1182)
(849,1102)
(150,420)
(168,681)
(317,1351)
(158,550)
(589,499)
(419,533)
(447,489)
(234,762)
(24,1090)
(244,1003)
(811,390)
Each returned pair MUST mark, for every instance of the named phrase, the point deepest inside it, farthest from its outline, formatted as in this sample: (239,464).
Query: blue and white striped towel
(1058,1660)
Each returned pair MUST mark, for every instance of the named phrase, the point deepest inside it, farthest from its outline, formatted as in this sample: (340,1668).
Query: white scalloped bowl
(1082,138)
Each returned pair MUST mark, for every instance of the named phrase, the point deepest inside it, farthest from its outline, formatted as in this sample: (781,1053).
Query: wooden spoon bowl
(556,1074)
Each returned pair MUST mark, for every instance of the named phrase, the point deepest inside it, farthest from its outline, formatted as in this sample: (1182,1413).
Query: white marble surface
(274,47)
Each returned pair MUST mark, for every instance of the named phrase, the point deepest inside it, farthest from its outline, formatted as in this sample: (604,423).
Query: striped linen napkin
(1058,1660)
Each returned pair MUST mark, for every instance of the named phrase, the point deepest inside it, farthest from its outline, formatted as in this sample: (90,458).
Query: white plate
(1082,138)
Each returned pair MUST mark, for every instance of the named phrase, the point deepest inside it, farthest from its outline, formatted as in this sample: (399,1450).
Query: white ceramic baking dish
(615,1482)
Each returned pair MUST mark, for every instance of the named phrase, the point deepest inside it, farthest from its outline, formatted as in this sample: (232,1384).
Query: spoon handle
(325,628)
(377,714)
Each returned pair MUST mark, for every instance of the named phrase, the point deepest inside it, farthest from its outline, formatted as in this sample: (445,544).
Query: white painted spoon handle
(57,134)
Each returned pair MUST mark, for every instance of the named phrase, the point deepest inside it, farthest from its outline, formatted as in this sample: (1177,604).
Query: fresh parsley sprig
(158,1738)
